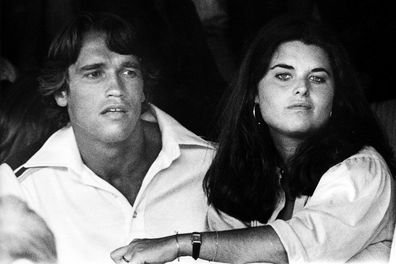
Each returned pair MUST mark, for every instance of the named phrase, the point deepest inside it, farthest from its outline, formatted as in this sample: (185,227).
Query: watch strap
(196,242)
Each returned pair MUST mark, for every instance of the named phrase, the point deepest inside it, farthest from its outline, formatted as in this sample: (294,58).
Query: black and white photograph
(197,131)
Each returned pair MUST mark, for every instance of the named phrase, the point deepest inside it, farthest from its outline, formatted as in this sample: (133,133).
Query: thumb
(117,254)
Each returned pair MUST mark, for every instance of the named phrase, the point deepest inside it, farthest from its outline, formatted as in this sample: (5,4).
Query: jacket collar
(61,149)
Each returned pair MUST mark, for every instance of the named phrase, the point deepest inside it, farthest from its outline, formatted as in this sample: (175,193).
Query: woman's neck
(285,145)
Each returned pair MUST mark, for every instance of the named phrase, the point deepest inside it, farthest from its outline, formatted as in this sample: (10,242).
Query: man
(119,168)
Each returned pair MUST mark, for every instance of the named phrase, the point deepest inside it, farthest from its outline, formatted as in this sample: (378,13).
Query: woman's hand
(141,251)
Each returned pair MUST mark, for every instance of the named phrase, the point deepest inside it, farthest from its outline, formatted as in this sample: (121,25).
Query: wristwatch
(196,242)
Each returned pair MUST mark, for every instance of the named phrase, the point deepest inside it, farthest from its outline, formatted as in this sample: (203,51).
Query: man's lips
(115,109)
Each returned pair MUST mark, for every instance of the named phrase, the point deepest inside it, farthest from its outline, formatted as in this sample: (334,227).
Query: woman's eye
(283,76)
(317,79)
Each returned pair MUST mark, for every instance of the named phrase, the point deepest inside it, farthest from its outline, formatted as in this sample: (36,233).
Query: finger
(118,254)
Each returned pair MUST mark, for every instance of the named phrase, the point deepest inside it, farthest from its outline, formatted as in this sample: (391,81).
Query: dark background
(198,58)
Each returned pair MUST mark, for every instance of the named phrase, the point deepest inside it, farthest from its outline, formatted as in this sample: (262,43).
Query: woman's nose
(302,88)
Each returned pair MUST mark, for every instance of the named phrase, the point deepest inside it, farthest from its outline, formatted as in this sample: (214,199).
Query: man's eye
(130,73)
(317,79)
(283,76)
(93,75)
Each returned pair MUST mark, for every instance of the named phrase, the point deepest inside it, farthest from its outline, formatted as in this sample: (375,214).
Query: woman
(301,170)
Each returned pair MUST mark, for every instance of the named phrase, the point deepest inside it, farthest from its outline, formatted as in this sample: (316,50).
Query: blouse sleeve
(219,221)
(350,206)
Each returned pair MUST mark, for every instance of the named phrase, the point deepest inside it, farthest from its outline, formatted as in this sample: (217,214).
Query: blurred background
(199,43)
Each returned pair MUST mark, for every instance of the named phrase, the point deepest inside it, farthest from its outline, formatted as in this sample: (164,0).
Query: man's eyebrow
(131,64)
(281,65)
(93,66)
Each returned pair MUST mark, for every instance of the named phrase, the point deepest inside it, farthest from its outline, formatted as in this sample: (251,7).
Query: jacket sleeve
(9,184)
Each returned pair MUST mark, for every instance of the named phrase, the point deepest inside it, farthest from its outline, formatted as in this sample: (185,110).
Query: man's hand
(141,251)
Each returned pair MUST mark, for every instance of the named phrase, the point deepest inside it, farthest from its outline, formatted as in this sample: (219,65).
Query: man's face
(105,93)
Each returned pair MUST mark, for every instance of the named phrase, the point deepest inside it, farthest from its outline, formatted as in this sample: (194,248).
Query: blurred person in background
(24,124)
(8,75)
(25,238)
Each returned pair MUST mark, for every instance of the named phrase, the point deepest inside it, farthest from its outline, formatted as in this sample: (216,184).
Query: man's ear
(143,97)
(256,99)
(61,98)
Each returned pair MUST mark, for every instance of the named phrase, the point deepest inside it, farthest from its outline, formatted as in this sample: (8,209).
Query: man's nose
(116,86)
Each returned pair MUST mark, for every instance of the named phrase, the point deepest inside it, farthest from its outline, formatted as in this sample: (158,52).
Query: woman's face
(296,94)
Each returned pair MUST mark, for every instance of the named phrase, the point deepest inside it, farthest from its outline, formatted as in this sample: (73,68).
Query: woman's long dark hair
(243,180)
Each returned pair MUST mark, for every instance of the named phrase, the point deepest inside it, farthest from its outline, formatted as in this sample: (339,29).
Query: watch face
(196,238)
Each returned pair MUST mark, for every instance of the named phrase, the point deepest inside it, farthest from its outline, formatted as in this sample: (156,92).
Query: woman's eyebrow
(281,65)
(321,70)
(289,67)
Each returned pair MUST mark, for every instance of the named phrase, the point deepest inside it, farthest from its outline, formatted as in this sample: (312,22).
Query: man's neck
(128,158)
(125,164)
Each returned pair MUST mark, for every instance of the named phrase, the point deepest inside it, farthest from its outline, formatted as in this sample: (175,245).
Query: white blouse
(350,217)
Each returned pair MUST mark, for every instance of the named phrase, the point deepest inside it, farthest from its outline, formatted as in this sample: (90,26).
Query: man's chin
(115,137)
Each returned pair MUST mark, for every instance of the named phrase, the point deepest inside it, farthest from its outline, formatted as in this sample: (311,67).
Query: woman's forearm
(259,244)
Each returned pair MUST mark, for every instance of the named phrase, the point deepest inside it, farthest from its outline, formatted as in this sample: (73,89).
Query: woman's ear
(61,98)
